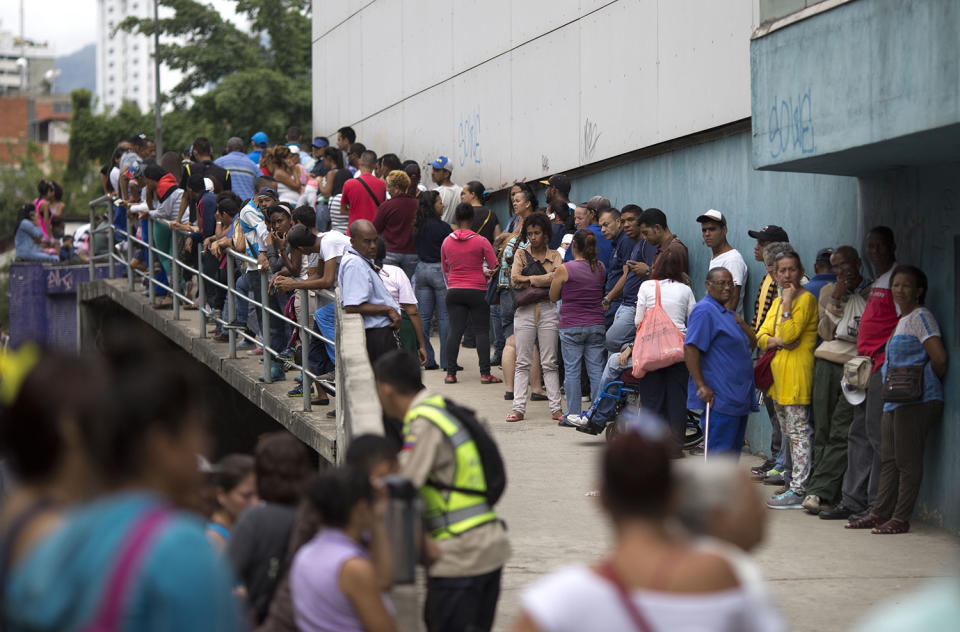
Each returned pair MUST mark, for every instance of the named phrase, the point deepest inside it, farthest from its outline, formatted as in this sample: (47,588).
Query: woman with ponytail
(429,232)
(578,285)
(485,221)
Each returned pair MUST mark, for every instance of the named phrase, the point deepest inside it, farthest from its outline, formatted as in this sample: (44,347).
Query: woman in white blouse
(664,391)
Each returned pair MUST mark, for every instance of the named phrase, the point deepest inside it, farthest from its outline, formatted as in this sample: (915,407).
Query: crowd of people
(848,369)
(41,235)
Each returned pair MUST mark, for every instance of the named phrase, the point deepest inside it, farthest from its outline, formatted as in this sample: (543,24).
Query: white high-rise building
(124,61)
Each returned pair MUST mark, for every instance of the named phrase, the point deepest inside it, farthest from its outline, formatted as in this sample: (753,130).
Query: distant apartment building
(124,61)
(34,59)
(42,121)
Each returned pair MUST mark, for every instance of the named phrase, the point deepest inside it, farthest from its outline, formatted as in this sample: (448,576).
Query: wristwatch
(605,301)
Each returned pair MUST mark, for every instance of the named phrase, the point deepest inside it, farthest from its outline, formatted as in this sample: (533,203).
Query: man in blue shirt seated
(362,291)
(621,246)
(635,271)
(718,351)
(585,216)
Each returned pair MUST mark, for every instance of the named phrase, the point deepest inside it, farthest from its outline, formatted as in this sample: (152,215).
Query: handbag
(493,284)
(762,371)
(658,342)
(903,383)
(530,294)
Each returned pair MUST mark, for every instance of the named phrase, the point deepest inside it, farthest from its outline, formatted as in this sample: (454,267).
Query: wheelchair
(625,394)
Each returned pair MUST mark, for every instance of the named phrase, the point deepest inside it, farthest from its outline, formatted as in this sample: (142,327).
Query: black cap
(559,182)
(769,233)
(823,255)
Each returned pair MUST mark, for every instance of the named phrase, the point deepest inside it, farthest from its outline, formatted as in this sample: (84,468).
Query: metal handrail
(205,316)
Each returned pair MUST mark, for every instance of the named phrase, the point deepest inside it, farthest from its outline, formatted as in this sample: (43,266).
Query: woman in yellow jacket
(790,327)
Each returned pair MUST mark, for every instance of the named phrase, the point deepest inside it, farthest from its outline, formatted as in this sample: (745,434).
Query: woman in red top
(394,222)
(462,258)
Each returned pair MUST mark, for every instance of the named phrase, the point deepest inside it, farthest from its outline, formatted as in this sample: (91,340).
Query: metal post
(306,383)
(92,266)
(231,305)
(110,246)
(130,282)
(151,290)
(201,292)
(265,327)
(175,273)
(158,121)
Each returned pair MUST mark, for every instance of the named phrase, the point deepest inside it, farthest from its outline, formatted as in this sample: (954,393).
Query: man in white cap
(713,227)
(441,170)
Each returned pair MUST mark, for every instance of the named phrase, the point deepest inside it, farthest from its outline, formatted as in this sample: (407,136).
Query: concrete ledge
(242,373)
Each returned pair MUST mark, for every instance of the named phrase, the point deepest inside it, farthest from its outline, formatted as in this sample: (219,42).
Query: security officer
(438,454)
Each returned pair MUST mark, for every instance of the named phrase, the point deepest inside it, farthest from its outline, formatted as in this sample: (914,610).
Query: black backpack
(490,458)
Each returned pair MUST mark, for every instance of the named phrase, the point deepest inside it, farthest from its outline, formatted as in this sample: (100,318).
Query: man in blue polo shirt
(636,270)
(362,291)
(621,246)
(243,171)
(718,351)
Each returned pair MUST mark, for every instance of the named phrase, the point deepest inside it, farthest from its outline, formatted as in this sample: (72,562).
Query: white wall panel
(552,84)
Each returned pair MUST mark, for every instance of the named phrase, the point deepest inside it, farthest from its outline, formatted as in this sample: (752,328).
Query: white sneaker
(573,421)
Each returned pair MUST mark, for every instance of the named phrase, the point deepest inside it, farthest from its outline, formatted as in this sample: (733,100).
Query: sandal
(515,417)
(867,522)
(891,527)
(557,415)
(490,379)
(450,379)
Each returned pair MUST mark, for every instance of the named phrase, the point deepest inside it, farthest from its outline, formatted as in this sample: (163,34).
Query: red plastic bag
(658,343)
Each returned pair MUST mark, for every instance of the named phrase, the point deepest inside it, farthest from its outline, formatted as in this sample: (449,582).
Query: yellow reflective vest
(449,512)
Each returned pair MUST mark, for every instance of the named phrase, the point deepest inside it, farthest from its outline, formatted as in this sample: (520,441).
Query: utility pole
(158,122)
(22,62)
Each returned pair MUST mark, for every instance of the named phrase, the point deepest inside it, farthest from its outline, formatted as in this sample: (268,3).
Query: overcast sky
(66,24)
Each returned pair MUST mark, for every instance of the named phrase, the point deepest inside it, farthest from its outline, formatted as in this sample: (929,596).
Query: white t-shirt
(333,244)
(450,195)
(397,283)
(733,261)
(575,599)
(676,298)
(115,179)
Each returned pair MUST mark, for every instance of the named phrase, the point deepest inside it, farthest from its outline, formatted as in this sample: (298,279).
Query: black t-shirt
(430,238)
(257,551)
(485,222)
(207,169)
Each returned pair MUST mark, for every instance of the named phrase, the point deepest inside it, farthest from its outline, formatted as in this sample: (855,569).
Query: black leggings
(460,303)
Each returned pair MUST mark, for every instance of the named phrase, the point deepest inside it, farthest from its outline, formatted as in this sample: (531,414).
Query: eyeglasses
(728,284)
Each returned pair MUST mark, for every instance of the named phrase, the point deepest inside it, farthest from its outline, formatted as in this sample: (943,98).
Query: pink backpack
(658,343)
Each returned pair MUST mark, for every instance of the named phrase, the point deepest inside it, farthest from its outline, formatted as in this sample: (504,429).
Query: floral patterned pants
(795,424)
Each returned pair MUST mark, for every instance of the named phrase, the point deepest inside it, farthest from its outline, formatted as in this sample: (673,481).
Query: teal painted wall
(922,205)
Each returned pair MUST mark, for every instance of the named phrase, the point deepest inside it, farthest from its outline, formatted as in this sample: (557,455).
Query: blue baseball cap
(320,142)
(442,162)
(260,139)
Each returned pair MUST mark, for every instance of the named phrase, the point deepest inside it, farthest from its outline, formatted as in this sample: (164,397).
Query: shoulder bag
(373,197)
(609,573)
(530,294)
(658,342)
(493,284)
(762,372)
(903,384)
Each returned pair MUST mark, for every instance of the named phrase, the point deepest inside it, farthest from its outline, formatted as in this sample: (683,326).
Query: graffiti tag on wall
(468,139)
(791,126)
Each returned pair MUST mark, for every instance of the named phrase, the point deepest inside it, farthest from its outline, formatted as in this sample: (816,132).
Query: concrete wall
(922,205)
(521,88)
(868,85)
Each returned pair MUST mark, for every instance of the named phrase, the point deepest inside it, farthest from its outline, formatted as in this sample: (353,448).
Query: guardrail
(205,315)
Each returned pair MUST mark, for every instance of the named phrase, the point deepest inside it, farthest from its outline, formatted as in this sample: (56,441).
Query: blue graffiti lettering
(468,139)
(791,126)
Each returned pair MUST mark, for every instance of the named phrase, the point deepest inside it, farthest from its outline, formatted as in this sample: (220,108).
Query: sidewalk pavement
(823,576)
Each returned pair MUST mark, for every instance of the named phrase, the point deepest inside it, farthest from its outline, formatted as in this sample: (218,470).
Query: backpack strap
(366,186)
(125,565)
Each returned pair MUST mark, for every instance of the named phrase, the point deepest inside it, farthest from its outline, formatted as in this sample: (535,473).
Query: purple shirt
(319,604)
(581,295)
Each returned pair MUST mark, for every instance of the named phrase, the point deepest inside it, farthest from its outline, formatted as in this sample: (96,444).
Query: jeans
(323,217)
(776,437)
(622,330)
(380,340)
(248,283)
(605,406)
(462,604)
(581,344)
(507,310)
(406,262)
(460,303)
(431,291)
(280,331)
